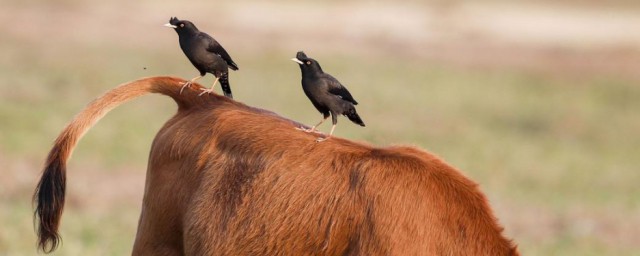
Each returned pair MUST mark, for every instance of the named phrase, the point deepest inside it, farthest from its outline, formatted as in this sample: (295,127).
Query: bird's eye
(308,62)
(181,25)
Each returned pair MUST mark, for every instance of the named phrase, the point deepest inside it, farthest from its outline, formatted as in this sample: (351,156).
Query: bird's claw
(205,91)
(301,129)
(312,130)
(321,139)
(185,85)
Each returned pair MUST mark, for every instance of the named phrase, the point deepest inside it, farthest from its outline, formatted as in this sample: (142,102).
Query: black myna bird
(205,53)
(326,93)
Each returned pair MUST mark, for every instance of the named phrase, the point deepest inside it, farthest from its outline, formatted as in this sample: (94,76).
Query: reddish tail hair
(49,195)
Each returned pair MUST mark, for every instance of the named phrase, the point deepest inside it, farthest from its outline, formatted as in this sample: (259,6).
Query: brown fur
(228,179)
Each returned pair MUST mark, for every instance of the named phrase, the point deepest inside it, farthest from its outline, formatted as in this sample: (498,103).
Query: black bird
(205,53)
(326,94)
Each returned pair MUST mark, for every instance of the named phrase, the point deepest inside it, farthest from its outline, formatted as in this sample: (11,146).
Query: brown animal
(228,179)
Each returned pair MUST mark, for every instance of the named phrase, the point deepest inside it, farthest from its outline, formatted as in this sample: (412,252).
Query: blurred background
(537,101)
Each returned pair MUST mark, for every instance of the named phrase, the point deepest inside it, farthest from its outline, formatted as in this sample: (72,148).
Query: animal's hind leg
(166,198)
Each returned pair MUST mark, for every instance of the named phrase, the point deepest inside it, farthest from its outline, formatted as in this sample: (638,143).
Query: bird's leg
(332,129)
(320,139)
(209,90)
(189,83)
(313,128)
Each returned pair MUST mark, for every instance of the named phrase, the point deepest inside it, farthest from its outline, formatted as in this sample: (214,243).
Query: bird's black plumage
(326,93)
(205,53)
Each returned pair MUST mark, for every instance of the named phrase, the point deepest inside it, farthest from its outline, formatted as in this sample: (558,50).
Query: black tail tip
(49,199)
(49,243)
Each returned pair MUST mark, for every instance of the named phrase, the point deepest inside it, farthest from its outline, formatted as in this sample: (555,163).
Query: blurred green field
(555,151)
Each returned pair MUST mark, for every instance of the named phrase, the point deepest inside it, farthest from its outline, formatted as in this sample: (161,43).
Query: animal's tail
(226,87)
(354,117)
(49,195)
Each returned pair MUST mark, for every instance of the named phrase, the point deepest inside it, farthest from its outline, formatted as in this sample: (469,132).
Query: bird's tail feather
(354,117)
(226,87)
(233,66)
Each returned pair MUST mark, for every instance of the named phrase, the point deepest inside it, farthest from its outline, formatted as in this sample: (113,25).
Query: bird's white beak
(169,25)
(297,60)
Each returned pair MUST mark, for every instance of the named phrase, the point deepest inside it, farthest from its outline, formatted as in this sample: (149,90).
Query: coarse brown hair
(228,179)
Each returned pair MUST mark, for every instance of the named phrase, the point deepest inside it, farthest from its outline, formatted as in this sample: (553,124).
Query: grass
(556,154)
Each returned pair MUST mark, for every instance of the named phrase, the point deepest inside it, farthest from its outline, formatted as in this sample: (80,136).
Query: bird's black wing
(336,88)
(214,47)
